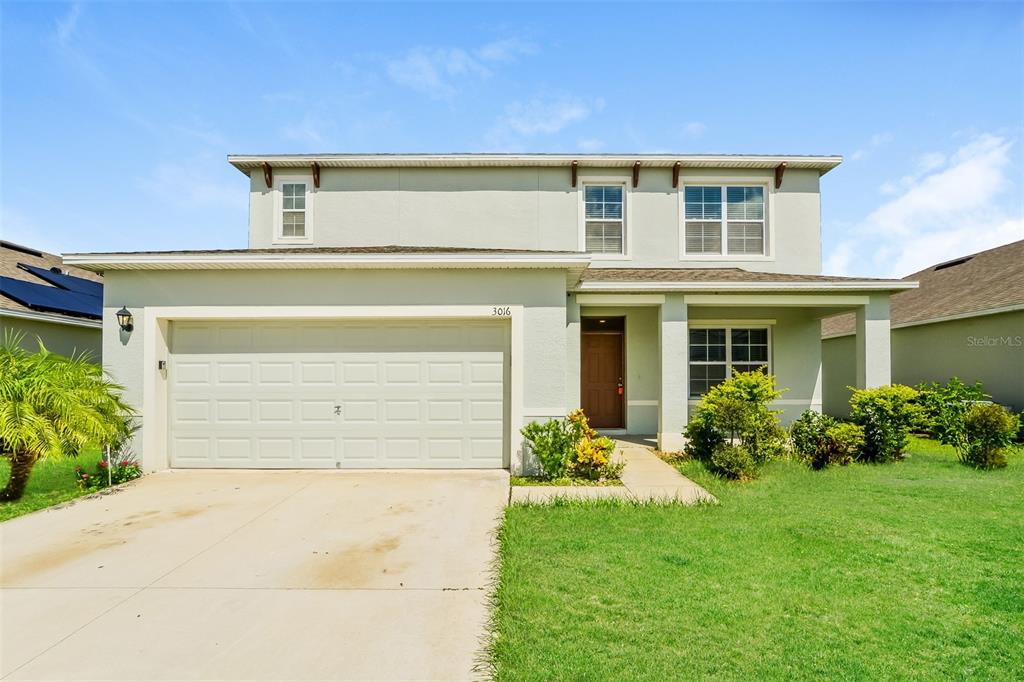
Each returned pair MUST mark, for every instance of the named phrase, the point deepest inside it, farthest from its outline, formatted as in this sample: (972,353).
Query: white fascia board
(114,261)
(52,318)
(745,286)
(247,162)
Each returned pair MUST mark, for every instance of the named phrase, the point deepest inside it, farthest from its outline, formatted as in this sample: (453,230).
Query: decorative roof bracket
(780,170)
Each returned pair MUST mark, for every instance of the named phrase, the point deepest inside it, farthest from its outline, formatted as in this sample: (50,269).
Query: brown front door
(601,372)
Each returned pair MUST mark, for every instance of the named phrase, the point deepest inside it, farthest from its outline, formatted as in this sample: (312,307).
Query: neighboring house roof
(38,285)
(250,162)
(723,278)
(980,284)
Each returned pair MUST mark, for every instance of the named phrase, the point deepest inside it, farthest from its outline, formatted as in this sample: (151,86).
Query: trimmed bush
(551,444)
(820,440)
(733,461)
(736,412)
(886,414)
(989,430)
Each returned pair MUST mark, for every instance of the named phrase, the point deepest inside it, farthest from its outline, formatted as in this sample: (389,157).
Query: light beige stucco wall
(541,292)
(63,339)
(535,208)
(839,370)
(989,349)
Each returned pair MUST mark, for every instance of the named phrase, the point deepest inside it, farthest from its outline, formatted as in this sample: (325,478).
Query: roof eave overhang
(55,318)
(743,287)
(250,162)
(292,261)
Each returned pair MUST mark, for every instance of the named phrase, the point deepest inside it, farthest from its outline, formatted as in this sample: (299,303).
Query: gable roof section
(30,287)
(982,283)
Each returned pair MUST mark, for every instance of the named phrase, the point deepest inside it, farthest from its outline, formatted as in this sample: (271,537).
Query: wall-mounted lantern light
(125,320)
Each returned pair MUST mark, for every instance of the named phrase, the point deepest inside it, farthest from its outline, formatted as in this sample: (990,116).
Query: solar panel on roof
(51,299)
(69,282)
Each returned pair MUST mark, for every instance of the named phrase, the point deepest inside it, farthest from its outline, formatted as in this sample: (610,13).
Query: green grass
(52,482)
(913,570)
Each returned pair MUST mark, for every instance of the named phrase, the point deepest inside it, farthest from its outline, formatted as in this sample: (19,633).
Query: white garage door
(346,395)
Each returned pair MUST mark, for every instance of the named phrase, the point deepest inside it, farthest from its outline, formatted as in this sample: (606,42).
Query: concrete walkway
(646,477)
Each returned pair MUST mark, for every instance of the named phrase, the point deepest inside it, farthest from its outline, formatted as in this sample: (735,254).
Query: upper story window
(293,210)
(605,222)
(724,220)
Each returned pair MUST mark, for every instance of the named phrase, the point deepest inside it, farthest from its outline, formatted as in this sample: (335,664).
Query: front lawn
(899,571)
(52,482)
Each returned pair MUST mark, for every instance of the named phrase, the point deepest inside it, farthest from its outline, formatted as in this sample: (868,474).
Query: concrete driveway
(251,575)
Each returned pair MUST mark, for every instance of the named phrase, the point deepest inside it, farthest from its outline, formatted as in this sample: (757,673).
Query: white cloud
(307,130)
(955,207)
(434,71)
(694,128)
(437,71)
(506,50)
(539,116)
(877,140)
(189,185)
(68,24)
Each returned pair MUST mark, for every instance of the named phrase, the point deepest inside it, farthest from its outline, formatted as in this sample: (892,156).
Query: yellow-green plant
(51,405)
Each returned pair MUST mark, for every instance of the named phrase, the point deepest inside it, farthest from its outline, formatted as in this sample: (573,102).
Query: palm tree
(51,405)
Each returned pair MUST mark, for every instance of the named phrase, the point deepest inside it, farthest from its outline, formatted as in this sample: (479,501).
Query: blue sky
(116,118)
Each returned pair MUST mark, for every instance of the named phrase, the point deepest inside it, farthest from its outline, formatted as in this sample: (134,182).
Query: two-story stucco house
(416,310)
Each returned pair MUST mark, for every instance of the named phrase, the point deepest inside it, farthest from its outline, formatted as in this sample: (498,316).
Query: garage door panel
(367,395)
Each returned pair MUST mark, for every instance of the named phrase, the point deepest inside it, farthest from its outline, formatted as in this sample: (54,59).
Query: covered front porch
(639,361)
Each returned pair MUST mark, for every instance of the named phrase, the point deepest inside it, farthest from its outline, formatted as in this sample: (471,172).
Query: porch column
(672,347)
(572,349)
(873,359)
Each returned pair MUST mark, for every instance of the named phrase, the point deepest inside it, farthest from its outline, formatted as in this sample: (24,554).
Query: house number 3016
(501,311)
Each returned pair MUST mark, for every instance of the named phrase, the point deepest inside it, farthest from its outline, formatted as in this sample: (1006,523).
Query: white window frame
(725,183)
(728,327)
(627,215)
(281,179)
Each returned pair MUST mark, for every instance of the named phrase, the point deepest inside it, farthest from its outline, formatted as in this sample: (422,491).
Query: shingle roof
(989,280)
(341,250)
(684,275)
(13,254)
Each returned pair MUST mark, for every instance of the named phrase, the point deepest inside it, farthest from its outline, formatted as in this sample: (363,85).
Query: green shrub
(733,461)
(944,408)
(886,414)
(807,431)
(569,448)
(820,440)
(551,443)
(989,430)
(702,435)
(737,410)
